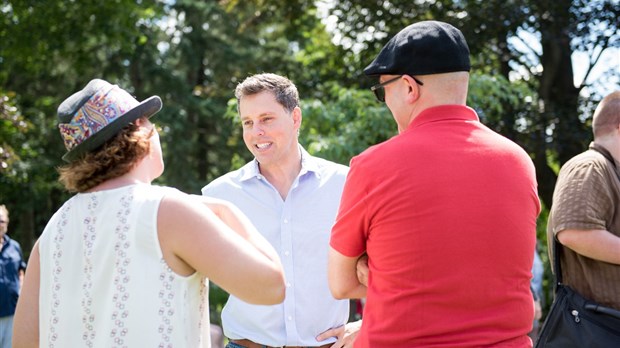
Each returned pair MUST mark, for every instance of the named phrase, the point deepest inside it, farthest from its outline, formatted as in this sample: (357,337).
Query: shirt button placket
(287,263)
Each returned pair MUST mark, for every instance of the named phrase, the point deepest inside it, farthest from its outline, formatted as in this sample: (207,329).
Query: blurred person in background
(12,268)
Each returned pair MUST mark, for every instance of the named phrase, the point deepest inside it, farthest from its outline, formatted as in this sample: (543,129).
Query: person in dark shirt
(12,268)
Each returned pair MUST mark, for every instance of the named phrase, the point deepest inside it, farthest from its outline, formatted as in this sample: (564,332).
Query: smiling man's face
(269,130)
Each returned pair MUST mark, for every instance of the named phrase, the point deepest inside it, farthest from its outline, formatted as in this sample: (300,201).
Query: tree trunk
(558,94)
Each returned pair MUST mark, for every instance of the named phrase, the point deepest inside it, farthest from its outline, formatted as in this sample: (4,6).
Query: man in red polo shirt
(445,211)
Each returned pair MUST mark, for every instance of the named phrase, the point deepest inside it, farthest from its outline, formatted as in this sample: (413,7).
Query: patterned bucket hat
(98,112)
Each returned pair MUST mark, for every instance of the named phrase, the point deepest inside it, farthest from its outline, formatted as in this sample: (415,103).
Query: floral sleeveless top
(104,281)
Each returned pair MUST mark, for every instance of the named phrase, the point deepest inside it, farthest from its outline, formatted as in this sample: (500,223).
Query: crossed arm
(342,276)
(348,278)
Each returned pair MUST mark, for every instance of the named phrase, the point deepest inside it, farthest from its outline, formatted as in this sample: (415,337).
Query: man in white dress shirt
(292,198)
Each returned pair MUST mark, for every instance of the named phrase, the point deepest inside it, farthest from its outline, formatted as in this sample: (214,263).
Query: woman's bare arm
(26,321)
(229,251)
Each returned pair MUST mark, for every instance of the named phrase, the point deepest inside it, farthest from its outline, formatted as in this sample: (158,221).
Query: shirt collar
(603,151)
(309,164)
(444,112)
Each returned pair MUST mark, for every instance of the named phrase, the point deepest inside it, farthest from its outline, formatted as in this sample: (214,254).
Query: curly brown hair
(114,158)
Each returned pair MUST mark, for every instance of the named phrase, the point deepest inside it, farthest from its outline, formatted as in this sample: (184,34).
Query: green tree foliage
(345,126)
(13,130)
(50,49)
(214,46)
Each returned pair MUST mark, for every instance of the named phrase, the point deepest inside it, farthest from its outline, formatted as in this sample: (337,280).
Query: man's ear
(296,114)
(413,89)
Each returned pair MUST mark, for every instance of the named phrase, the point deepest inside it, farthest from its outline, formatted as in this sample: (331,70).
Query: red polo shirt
(447,213)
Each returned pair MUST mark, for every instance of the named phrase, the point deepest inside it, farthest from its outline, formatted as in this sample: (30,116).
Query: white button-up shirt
(299,229)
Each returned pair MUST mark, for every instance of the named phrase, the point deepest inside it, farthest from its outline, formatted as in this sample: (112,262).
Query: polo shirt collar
(444,112)
(603,151)
(309,164)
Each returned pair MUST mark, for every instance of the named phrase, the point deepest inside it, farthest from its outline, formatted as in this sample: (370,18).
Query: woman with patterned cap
(125,263)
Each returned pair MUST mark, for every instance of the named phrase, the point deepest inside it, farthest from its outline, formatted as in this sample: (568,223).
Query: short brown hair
(607,115)
(114,158)
(284,90)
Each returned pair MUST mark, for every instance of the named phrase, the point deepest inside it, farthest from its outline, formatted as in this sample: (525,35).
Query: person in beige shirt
(584,215)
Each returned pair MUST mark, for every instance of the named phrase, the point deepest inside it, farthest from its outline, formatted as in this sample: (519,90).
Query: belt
(250,344)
